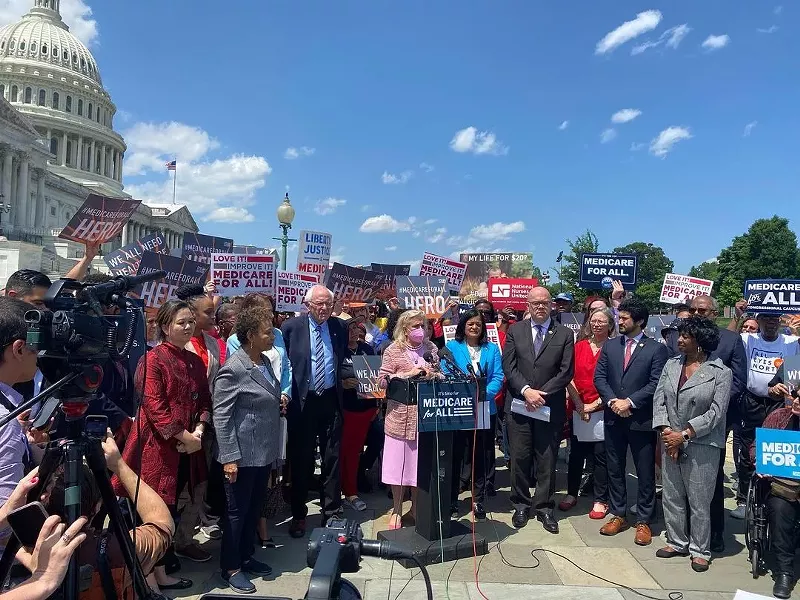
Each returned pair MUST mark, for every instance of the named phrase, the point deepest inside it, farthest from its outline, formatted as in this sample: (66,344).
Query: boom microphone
(447,357)
(121,284)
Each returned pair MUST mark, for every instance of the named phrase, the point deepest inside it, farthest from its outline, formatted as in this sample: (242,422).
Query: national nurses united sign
(772,295)
(599,271)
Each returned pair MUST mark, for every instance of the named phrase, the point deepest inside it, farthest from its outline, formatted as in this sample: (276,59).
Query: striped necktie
(319,362)
(537,341)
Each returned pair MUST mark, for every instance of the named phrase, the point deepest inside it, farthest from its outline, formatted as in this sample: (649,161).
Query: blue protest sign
(772,295)
(778,453)
(445,406)
(598,271)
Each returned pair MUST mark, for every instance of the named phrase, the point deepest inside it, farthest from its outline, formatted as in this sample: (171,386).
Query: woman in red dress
(176,406)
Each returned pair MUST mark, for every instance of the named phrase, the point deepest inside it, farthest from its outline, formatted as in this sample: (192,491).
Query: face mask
(415,336)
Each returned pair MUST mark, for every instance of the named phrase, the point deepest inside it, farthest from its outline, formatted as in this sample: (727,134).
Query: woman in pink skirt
(404,359)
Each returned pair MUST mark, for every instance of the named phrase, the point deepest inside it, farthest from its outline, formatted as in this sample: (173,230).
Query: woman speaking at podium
(471,347)
(404,358)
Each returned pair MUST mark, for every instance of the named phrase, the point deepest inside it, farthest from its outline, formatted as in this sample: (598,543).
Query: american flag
(172,165)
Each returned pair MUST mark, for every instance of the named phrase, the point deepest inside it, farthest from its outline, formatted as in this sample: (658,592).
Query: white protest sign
(313,253)
(292,288)
(240,274)
(682,288)
(449,332)
(439,266)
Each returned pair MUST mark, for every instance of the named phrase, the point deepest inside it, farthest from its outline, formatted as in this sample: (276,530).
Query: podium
(442,407)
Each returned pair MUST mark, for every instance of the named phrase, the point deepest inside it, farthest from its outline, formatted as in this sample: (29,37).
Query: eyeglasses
(541,303)
(322,304)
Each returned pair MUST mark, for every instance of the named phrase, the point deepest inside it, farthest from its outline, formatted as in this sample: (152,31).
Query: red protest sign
(510,292)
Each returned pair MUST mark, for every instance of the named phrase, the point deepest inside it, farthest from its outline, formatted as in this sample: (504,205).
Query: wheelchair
(756,533)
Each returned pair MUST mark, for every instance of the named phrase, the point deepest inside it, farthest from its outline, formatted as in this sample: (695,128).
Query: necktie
(319,363)
(628,351)
(537,341)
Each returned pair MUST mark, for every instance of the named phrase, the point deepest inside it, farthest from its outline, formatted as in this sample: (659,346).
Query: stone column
(49,137)
(125,233)
(8,171)
(39,213)
(80,153)
(22,192)
(103,159)
(119,168)
(92,159)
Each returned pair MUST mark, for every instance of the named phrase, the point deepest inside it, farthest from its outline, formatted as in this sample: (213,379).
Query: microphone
(471,370)
(383,549)
(447,357)
(121,284)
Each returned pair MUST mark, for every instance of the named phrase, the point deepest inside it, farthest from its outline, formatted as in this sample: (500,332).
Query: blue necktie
(319,363)
(537,341)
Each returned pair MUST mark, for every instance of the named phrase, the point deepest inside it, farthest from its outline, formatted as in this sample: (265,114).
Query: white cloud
(778,10)
(607,135)
(644,22)
(715,42)
(771,29)
(496,231)
(390,248)
(328,206)
(384,224)
(76,13)
(625,115)
(426,167)
(366,207)
(672,38)
(470,139)
(563,126)
(230,214)
(636,146)
(292,153)
(748,129)
(663,143)
(391,178)
(438,235)
(204,183)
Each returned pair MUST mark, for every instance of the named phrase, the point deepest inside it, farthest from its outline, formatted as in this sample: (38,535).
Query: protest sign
(99,219)
(484,266)
(352,284)
(125,260)
(180,271)
(778,452)
(772,295)
(510,292)
(366,368)
(789,371)
(199,247)
(240,274)
(314,253)
(437,266)
(251,250)
(574,321)
(291,290)
(392,270)
(446,406)
(598,271)
(428,294)
(682,288)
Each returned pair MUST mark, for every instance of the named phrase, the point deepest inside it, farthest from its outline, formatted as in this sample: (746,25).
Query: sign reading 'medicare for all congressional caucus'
(599,271)
(437,266)
(240,274)
(445,406)
(778,453)
(291,290)
(99,219)
(682,288)
(773,295)
(314,253)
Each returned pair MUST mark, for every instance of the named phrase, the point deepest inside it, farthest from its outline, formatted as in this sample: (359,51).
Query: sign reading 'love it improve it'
(241,274)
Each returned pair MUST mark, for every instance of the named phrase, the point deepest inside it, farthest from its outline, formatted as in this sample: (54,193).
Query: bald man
(538,364)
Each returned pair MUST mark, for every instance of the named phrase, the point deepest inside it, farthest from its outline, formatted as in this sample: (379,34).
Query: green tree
(767,251)
(653,264)
(708,270)
(570,266)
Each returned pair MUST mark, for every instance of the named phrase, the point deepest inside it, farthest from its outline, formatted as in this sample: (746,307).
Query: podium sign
(778,453)
(446,405)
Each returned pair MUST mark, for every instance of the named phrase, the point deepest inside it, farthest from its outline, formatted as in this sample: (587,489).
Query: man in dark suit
(315,345)
(731,352)
(538,364)
(626,377)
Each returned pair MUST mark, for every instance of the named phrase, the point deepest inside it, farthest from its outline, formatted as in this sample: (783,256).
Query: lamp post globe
(285,218)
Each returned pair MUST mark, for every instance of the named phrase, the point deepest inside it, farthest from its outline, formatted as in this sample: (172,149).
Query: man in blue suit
(315,345)
(626,376)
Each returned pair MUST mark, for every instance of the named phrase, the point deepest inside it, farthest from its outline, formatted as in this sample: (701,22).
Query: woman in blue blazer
(472,347)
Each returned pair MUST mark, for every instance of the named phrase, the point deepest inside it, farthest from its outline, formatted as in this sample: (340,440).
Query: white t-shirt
(761,357)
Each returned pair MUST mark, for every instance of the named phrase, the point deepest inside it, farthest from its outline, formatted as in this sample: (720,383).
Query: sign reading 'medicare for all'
(682,288)
(240,274)
(599,271)
(314,253)
(437,266)
(778,453)
(291,290)
(773,295)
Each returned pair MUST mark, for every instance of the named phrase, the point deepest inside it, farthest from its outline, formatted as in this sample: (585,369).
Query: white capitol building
(57,145)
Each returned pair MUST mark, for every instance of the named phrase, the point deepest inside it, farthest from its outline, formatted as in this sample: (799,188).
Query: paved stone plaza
(616,559)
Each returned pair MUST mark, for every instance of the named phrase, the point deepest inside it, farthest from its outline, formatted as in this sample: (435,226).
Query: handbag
(788,489)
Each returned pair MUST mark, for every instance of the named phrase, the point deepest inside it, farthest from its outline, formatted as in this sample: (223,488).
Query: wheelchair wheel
(750,520)
(755,558)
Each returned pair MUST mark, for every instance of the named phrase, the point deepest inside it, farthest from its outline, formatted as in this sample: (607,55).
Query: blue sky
(372,97)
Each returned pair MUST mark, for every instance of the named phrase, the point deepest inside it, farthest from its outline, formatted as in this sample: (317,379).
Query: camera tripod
(74,391)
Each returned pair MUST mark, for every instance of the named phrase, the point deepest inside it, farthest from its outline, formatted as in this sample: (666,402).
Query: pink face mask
(416,336)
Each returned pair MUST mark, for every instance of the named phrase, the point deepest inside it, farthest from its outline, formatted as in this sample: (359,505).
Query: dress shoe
(614,526)
(699,565)
(643,535)
(670,552)
(520,518)
(478,511)
(784,583)
(567,503)
(297,528)
(454,510)
(548,521)
(717,544)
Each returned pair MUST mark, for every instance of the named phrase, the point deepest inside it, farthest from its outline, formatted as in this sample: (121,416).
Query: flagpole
(174,180)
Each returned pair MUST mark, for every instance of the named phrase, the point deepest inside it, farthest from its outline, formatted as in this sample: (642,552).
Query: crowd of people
(239,405)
